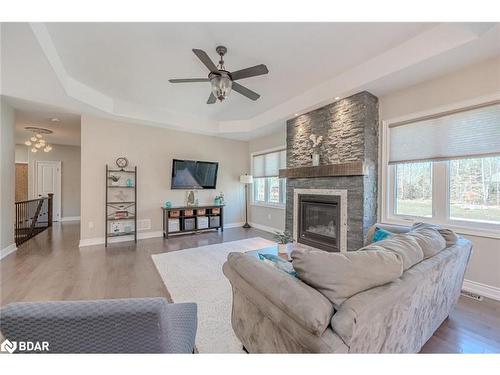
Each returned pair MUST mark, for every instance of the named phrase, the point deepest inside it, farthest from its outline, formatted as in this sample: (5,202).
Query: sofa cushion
(404,245)
(339,276)
(430,240)
(449,236)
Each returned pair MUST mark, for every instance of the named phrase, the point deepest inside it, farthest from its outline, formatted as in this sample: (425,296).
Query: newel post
(50,208)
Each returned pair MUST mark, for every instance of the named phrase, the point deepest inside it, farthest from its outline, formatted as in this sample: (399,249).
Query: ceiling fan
(223,81)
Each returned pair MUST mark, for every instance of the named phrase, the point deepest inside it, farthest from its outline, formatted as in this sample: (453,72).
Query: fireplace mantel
(354,168)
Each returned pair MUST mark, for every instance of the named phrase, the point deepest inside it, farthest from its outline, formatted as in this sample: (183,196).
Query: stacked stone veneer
(350,133)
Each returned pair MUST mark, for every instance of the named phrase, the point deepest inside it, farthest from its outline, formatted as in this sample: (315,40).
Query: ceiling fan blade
(245,92)
(202,55)
(187,80)
(211,99)
(256,70)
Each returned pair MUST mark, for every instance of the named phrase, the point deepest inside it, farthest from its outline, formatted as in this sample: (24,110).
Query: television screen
(190,174)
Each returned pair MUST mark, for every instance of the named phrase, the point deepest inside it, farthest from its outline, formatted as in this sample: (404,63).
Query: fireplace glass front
(319,221)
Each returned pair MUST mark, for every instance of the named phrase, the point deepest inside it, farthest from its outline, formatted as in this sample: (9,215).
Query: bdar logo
(8,346)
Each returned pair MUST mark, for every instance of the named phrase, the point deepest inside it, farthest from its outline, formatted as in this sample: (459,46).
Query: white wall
(269,218)
(152,150)
(7,178)
(475,81)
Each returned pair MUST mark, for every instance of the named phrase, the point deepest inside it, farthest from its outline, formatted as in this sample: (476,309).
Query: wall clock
(121,162)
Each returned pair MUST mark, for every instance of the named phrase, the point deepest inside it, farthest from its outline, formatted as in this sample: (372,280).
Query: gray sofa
(274,312)
(139,325)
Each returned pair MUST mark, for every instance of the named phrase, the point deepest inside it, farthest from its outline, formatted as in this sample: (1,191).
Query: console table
(192,219)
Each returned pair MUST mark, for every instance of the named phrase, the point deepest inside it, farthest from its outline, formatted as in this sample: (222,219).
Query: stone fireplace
(331,207)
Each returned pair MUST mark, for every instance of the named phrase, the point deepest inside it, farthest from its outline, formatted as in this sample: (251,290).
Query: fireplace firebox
(319,221)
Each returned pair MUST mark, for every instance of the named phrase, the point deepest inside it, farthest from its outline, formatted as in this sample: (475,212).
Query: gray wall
(69,156)
(7,175)
(152,150)
(350,133)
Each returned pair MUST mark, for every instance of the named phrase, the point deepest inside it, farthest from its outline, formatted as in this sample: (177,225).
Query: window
(268,188)
(475,189)
(414,189)
(445,169)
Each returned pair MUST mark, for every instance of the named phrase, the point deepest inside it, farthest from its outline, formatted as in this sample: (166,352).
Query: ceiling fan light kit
(221,80)
(221,85)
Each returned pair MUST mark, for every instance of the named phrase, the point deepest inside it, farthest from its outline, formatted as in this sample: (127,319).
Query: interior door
(21,182)
(48,180)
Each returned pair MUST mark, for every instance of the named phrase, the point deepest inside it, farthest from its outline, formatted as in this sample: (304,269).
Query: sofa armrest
(139,325)
(301,303)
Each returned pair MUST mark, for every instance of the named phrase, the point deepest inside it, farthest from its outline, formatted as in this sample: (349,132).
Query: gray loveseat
(135,325)
(274,312)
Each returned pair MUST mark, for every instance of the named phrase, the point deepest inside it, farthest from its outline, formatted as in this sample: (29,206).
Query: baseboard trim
(8,250)
(484,290)
(100,240)
(265,228)
(140,236)
(234,225)
(70,218)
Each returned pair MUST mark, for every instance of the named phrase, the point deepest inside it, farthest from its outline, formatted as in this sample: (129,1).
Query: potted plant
(285,242)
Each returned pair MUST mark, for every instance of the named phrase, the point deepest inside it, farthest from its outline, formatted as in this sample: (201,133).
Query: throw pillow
(339,276)
(278,263)
(430,240)
(449,236)
(381,234)
(404,246)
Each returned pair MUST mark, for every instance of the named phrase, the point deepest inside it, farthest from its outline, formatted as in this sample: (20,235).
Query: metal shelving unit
(113,206)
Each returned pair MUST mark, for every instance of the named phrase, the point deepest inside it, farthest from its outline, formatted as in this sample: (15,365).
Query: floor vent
(475,296)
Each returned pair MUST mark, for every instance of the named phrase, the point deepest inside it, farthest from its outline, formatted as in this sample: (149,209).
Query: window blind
(269,164)
(470,132)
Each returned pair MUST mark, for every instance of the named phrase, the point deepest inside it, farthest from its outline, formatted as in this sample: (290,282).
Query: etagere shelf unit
(121,203)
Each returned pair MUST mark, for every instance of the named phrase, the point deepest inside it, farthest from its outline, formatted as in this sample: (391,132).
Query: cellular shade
(269,164)
(467,133)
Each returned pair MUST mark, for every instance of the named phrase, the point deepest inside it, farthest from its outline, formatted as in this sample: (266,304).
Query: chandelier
(37,140)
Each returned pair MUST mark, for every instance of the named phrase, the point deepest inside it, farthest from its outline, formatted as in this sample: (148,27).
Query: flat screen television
(191,174)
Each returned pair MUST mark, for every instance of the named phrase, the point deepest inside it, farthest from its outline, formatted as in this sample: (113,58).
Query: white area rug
(195,275)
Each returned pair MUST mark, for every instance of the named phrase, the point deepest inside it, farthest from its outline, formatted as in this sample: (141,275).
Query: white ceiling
(122,69)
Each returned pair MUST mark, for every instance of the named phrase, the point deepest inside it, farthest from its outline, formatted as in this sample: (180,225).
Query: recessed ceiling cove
(123,69)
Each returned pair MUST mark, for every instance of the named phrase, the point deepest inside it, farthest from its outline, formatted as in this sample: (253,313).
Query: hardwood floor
(52,267)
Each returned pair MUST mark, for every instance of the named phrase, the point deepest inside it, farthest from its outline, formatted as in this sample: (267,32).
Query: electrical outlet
(268,216)
(144,224)
(91,224)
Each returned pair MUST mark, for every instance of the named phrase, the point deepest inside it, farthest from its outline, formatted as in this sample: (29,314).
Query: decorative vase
(282,248)
(315,159)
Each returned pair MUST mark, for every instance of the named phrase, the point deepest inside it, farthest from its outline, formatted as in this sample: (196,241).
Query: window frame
(266,203)
(440,182)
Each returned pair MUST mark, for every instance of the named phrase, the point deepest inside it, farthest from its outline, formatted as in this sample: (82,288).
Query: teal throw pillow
(278,263)
(381,234)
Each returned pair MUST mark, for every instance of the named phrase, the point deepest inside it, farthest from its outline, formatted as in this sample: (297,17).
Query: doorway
(47,179)
(21,182)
